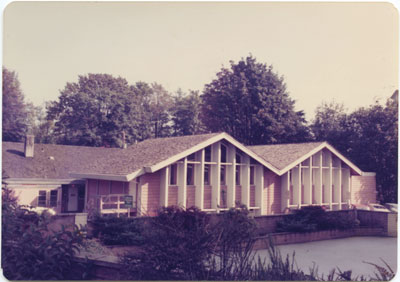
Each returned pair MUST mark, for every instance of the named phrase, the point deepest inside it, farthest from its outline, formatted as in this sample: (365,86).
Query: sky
(346,52)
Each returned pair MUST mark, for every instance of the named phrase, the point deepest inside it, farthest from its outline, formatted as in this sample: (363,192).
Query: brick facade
(363,189)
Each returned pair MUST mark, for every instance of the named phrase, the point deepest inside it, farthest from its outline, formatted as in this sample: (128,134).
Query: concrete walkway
(347,254)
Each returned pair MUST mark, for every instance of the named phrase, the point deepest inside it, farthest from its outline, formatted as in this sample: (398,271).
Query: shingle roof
(57,161)
(49,162)
(143,154)
(281,155)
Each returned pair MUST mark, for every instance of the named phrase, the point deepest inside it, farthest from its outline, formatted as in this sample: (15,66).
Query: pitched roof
(282,155)
(58,161)
(143,154)
(49,162)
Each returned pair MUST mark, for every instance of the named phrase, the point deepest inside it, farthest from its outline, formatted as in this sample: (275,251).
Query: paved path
(348,253)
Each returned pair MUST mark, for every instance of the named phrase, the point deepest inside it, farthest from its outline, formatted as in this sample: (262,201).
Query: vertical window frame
(41,194)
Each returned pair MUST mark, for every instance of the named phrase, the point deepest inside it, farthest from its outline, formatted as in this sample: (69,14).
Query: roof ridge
(277,144)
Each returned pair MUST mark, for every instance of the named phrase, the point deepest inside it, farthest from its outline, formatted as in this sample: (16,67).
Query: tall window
(223,171)
(53,198)
(252,175)
(238,159)
(206,174)
(192,157)
(42,198)
(223,153)
(207,153)
(237,175)
(190,174)
(173,174)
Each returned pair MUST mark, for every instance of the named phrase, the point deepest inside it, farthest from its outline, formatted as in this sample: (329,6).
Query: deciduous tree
(368,136)
(96,111)
(186,114)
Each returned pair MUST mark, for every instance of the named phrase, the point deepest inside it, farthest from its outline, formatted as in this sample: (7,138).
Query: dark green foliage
(368,137)
(186,114)
(100,109)
(315,218)
(15,113)
(31,252)
(235,234)
(113,230)
(176,245)
(250,102)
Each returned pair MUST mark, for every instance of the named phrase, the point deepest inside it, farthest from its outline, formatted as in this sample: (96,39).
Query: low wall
(293,238)
(68,220)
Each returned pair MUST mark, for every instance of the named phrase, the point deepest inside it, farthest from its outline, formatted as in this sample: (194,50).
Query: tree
(368,137)
(96,111)
(14,108)
(186,114)
(250,102)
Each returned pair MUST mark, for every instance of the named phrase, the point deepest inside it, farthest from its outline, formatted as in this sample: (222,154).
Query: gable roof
(282,155)
(64,162)
(286,156)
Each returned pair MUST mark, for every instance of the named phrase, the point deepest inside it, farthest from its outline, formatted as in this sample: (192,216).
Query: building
(211,171)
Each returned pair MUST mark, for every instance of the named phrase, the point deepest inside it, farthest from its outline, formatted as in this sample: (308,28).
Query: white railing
(114,203)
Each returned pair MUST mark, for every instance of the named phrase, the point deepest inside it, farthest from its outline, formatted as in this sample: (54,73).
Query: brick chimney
(29,146)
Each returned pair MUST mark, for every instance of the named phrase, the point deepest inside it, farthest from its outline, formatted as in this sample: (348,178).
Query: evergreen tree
(250,102)
(15,114)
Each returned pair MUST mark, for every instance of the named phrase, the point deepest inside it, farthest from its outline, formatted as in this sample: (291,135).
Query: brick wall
(363,189)
(272,194)
(150,193)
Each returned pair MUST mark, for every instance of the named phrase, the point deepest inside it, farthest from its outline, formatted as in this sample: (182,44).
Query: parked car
(378,207)
(391,206)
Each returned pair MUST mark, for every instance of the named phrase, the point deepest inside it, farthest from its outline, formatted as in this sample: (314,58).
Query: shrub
(235,234)
(176,245)
(30,251)
(314,218)
(113,230)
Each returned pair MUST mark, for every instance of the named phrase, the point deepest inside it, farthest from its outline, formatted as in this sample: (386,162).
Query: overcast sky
(342,51)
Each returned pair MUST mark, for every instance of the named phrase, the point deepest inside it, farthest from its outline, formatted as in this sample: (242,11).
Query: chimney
(29,146)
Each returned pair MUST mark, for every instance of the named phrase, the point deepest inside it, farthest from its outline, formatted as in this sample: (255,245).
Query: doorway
(73,198)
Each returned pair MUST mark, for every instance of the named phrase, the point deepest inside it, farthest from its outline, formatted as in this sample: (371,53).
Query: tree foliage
(186,114)
(15,114)
(250,102)
(30,251)
(368,137)
(100,109)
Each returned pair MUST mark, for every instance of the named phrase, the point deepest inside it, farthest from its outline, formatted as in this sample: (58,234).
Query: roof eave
(113,177)
(317,149)
(212,140)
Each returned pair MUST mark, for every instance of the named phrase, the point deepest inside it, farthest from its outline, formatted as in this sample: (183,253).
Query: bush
(176,245)
(30,251)
(235,234)
(113,230)
(314,218)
